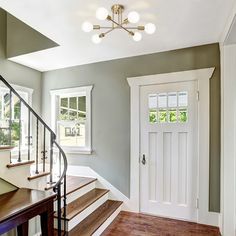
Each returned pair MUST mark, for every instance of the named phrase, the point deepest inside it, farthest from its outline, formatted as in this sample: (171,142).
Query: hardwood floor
(132,224)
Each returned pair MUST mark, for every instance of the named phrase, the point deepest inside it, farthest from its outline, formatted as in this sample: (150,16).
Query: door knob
(144,160)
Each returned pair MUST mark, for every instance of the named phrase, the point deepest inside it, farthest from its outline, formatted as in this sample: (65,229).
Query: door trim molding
(202,76)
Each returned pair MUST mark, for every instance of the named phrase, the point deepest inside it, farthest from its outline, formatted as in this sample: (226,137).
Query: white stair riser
(102,228)
(76,194)
(77,219)
(18,175)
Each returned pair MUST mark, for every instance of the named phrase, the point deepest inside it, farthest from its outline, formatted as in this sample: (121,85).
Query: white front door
(168,160)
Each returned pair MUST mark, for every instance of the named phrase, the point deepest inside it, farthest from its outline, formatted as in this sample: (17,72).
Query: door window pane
(152,101)
(183,115)
(172,100)
(183,99)
(82,104)
(153,116)
(162,115)
(162,100)
(173,116)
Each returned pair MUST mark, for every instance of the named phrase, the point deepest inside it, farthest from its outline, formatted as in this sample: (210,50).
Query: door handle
(144,160)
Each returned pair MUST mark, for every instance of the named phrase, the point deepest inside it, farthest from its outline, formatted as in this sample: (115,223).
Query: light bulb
(96,39)
(101,13)
(87,27)
(133,17)
(137,36)
(150,28)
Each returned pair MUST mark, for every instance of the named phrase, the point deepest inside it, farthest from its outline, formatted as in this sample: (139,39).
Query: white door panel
(169,142)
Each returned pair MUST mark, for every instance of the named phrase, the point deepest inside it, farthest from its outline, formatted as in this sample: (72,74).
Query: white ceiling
(180,23)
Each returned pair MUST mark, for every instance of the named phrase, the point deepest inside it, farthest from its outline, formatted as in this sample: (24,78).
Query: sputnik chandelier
(118,22)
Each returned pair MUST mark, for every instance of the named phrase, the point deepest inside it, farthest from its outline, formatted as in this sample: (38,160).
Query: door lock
(144,160)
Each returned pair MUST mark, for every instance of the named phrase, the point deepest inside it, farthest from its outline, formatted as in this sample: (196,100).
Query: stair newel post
(10,121)
(29,134)
(37,146)
(51,156)
(19,151)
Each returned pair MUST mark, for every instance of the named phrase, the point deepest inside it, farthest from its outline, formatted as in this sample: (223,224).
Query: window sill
(77,151)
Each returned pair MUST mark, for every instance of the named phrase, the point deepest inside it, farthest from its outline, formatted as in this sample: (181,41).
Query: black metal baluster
(10,121)
(59,163)
(59,209)
(19,154)
(51,157)
(29,134)
(37,147)
(64,204)
(44,147)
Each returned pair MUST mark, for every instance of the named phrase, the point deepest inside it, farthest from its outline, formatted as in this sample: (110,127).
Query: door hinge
(197,203)
(198,95)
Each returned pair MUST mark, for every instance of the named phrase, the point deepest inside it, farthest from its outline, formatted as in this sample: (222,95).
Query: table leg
(46,219)
(23,229)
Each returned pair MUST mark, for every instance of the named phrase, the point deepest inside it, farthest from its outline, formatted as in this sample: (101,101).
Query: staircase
(80,207)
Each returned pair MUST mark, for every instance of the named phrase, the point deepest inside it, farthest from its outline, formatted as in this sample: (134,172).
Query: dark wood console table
(19,206)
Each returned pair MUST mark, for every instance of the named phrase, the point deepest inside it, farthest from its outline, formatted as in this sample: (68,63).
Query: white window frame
(78,91)
(29,93)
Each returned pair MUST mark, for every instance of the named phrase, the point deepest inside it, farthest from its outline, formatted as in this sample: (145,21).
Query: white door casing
(169,165)
(202,77)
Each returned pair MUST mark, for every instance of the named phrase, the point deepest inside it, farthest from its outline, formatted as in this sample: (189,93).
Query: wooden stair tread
(2,147)
(20,200)
(81,203)
(35,176)
(91,223)
(73,183)
(15,164)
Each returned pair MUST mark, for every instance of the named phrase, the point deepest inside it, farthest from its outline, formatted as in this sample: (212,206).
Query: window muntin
(168,107)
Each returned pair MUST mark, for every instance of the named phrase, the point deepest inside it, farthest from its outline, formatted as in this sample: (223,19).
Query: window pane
(162,100)
(15,135)
(162,115)
(172,116)
(16,108)
(183,115)
(152,101)
(183,99)
(172,100)
(6,105)
(72,115)
(82,117)
(73,103)
(64,114)
(4,137)
(153,116)
(64,102)
(82,104)
(72,134)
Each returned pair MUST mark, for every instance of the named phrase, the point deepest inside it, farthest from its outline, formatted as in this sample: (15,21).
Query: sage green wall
(6,187)
(111,108)
(18,33)
(15,73)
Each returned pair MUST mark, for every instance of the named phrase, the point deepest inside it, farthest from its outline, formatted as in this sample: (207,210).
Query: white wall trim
(202,76)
